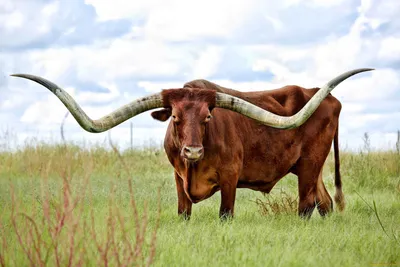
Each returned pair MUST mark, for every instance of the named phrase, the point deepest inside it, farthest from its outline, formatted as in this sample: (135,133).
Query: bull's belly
(262,173)
(204,181)
(257,185)
(200,190)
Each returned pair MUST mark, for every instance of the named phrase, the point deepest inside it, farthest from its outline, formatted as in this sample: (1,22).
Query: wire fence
(18,135)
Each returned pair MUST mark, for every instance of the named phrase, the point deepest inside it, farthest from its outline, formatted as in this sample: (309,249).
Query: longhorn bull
(220,139)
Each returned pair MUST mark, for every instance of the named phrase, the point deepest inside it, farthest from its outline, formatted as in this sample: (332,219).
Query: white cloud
(390,49)
(154,87)
(118,9)
(187,20)
(379,85)
(107,61)
(14,20)
(207,62)
(182,20)
(276,23)
(95,97)
(280,71)
(22,22)
(174,41)
(50,9)
(125,57)
(323,3)
(52,63)
(6,5)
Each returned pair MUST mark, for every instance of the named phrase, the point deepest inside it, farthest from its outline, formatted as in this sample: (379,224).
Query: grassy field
(67,206)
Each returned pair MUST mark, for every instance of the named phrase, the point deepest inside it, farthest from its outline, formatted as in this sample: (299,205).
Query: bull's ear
(161,115)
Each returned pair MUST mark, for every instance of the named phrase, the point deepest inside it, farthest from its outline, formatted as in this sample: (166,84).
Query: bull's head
(190,110)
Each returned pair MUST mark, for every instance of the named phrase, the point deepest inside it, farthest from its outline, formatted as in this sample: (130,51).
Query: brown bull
(213,147)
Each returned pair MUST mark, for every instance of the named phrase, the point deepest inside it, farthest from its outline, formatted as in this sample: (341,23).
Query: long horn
(107,122)
(270,119)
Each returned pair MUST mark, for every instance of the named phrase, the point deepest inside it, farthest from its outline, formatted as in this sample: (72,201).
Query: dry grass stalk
(3,247)
(61,239)
(282,204)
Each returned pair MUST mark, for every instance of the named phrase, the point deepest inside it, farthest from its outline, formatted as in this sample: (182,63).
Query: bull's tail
(339,197)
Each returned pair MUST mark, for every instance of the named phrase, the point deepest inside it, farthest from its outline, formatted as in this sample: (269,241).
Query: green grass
(39,184)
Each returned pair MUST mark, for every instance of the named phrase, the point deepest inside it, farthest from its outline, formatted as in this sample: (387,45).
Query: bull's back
(270,153)
(285,101)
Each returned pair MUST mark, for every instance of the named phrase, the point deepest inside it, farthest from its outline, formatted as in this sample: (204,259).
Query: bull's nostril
(192,151)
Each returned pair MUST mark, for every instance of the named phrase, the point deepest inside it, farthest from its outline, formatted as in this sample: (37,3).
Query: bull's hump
(205,84)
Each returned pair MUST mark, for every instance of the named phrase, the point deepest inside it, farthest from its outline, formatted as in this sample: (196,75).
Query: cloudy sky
(107,53)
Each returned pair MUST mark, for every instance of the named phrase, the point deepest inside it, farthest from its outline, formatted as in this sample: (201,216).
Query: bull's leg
(312,191)
(228,195)
(307,201)
(324,200)
(307,174)
(184,204)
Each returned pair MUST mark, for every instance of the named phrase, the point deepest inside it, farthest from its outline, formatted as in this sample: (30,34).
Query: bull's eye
(175,119)
(208,118)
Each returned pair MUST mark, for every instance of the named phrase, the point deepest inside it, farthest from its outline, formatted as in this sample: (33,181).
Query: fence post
(62,127)
(131,136)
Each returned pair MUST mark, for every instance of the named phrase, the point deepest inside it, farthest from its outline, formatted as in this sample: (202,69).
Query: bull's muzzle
(192,153)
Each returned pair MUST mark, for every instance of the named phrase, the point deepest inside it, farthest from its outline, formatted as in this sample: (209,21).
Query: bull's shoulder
(328,107)
(329,100)
(290,99)
(284,101)
(288,93)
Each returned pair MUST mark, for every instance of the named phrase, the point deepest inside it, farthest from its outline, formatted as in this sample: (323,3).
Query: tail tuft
(339,199)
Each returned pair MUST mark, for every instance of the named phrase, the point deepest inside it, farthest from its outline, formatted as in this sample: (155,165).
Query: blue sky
(106,55)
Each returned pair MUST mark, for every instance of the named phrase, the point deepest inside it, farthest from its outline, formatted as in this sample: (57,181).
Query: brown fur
(242,153)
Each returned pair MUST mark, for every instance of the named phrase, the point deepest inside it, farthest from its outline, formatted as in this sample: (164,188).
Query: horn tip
(362,69)
(21,75)
(356,71)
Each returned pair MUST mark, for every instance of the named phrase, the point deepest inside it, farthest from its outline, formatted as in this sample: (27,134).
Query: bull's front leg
(228,195)
(184,203)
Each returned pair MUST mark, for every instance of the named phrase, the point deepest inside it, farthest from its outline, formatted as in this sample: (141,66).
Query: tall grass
(64,205)
(58,226)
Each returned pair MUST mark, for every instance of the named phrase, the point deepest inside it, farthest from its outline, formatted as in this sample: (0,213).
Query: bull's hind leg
(307,173)
(324,200)
(312,191)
